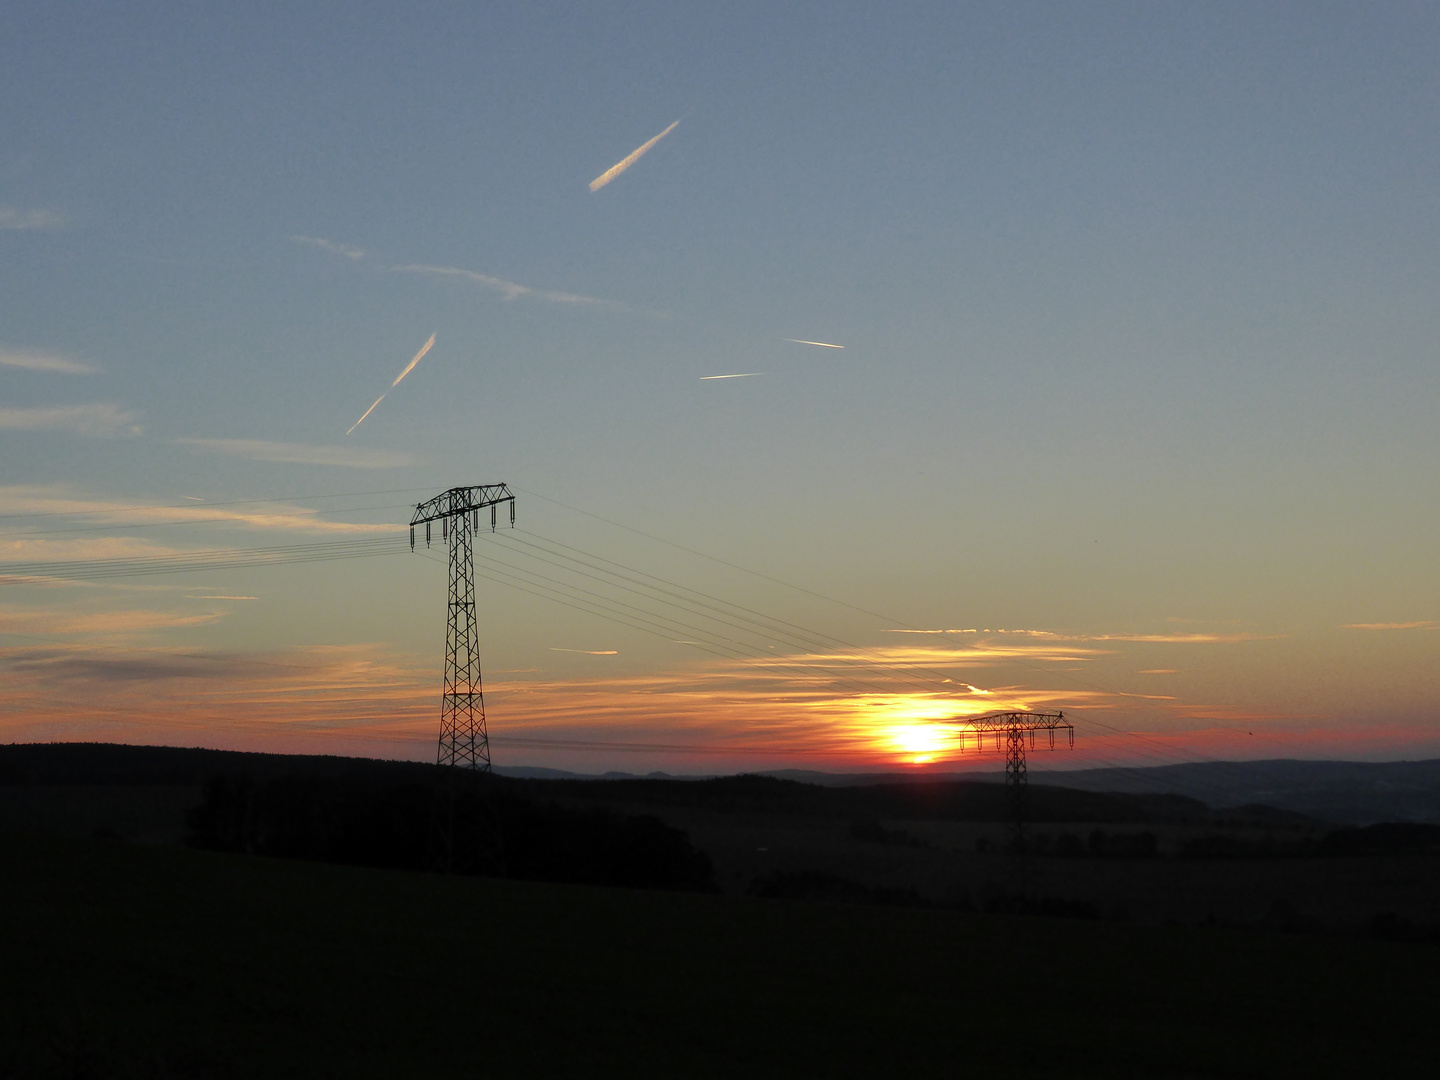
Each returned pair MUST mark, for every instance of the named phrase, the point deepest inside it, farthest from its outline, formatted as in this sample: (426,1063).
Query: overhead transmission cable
(636,618)
(191,505)
(726,645)
(726,618)
(692,602)
(205,560)
(1162,750)
(805,638)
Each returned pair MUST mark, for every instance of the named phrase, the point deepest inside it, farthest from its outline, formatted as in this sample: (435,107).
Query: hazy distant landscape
(1341,792)
(794,909)
(1150,854)
(633,539)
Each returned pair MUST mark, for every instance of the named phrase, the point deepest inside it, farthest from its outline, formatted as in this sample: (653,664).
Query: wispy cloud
(975,630)
(509,289)
(23,621)
(44,361)
(32,549)
(101,419)
(628,160)
(1155,639)
(11,218)
(302,454)
(45,501)
(1423,624)
(1177,639)
(408,368)
(352,253)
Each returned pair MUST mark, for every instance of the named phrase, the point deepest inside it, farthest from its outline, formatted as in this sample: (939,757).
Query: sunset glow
(1110,401)
(920,743)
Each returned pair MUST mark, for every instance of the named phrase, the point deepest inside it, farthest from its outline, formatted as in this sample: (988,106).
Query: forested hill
(102,764)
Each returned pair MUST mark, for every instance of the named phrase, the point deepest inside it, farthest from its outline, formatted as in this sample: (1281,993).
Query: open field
(127,960)
(936,844)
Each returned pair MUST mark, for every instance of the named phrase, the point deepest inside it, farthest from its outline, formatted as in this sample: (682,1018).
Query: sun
(919,742)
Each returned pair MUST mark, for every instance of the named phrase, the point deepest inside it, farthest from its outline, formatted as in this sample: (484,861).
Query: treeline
(1388,838)
(940,800)
(480,826)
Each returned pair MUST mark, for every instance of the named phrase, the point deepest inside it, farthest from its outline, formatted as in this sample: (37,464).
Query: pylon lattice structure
(1014,728)
(464,741)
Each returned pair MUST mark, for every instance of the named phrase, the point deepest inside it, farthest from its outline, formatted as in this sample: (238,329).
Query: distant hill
(1343,792)
(100,767)
(1340,792)
(104,766)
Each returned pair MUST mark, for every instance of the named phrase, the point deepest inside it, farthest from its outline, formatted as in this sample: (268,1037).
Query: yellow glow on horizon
(921,728)
(919,742)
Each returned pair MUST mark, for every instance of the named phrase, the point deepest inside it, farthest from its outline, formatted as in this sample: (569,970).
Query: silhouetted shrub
(551,842)
(817,885)
(1068,846)
(870,829)
(1217,846)
(226,818)
(1390,926)
(394,825)
(1388,837)
(1226,846)
(1052,906)
(1141,845)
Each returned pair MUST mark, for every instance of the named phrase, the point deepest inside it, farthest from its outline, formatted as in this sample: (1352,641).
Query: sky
(1081,357)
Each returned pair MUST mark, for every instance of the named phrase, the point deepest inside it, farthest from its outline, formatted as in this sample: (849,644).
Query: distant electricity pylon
(464,742)
(1014,727)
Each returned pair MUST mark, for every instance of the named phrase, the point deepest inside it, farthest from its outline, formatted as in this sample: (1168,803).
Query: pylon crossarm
(1006,721)
(1004,727)
(463,500)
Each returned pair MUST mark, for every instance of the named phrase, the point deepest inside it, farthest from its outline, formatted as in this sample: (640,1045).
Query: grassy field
(125,960)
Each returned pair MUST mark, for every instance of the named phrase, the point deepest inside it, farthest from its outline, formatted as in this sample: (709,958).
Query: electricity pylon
(466,835)
(1014,727)
(464,742)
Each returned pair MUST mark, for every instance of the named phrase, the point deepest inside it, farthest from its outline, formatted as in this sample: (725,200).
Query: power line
(231,502)
(206,560)
(715,559)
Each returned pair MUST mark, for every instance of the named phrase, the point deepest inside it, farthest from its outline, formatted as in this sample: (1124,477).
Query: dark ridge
(102,764)
(105,764)
(956,800)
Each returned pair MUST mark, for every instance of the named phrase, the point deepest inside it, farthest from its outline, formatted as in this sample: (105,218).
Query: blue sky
(1137,306)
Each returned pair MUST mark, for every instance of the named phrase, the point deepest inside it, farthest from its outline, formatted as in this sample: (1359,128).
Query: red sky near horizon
(937,359)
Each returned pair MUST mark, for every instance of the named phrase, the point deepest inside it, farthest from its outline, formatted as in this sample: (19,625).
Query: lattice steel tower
(1015,726)
(464,742)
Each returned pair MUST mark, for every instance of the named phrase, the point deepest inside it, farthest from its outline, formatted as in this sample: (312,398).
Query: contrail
(634,156)
(822,344)
(589,652)
(411,366)
(742,375)
(366,413)
(408,368)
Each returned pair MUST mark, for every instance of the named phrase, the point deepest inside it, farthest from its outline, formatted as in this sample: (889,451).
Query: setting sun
(920,742)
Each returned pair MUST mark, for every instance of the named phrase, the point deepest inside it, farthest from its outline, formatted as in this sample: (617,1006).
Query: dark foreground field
(119,959)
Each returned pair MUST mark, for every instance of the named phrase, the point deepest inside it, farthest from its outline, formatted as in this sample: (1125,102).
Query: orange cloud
(1423,624)
(21,500)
